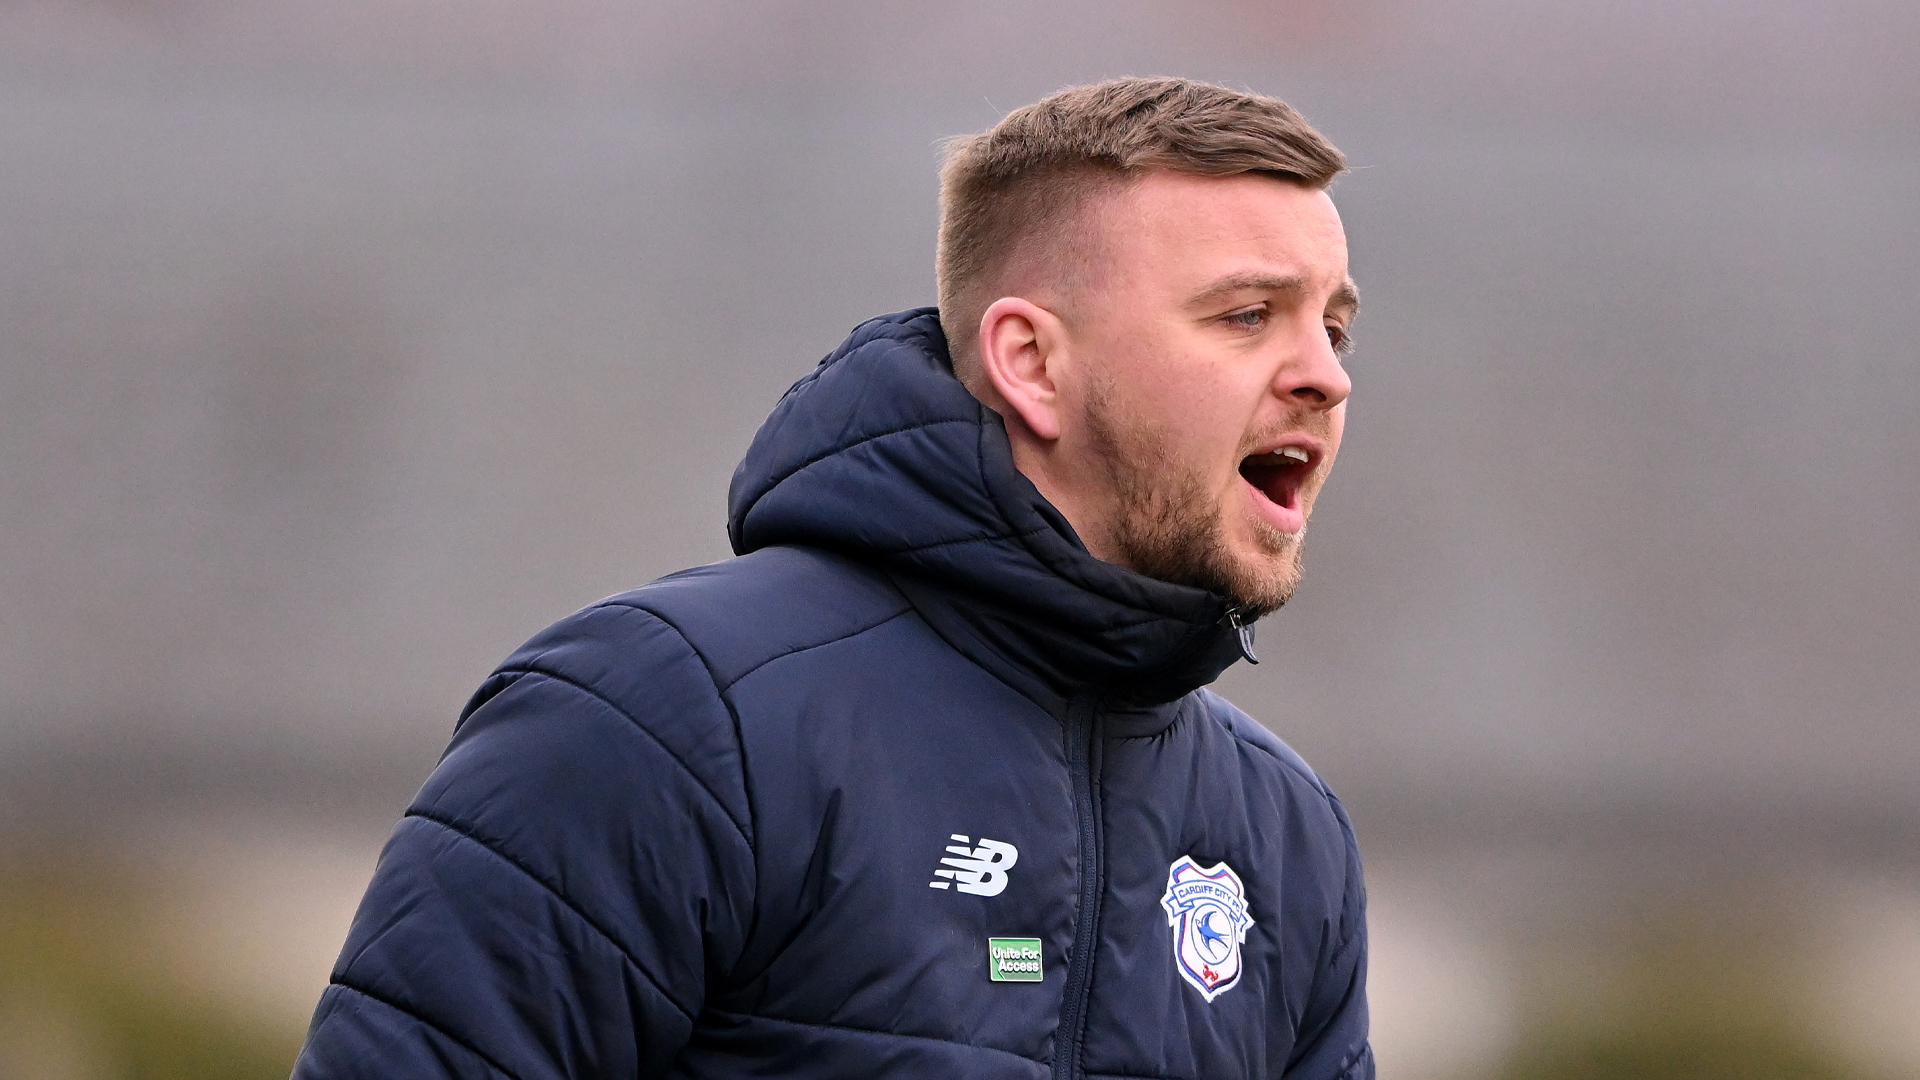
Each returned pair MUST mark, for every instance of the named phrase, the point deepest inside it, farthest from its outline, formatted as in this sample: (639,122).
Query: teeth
(1292,453)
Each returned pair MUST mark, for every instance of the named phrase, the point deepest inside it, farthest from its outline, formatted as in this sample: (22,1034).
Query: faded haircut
(1025,184)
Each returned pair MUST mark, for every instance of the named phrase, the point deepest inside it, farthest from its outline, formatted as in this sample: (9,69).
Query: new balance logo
(981,870)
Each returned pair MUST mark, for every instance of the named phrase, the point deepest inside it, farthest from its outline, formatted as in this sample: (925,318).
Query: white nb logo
(980,870)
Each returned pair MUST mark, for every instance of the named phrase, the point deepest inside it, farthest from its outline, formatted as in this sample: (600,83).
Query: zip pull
(1245,632)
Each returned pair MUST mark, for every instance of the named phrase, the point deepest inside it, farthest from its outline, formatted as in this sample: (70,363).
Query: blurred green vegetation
(88,992)
(1705,995)
(1673,1050)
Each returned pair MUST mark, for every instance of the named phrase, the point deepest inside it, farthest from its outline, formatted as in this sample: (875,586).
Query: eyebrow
(1346,297)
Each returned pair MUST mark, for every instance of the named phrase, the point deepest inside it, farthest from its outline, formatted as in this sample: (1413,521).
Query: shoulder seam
(466,832)
(463,1044)
(1349,934)
(850,635)
(1312,779)
(568,680)
(733,714)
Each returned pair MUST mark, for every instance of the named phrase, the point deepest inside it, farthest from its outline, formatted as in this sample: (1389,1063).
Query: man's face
(1205,379)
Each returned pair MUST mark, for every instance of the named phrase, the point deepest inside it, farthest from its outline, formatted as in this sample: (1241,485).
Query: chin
(1263,579)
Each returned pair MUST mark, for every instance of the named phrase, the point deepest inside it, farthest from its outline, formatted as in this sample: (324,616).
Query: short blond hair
(1027,181)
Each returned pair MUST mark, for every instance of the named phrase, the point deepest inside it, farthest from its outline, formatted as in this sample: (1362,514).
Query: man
(922,783)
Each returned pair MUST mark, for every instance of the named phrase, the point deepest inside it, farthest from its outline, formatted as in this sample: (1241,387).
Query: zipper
(1244,631)
(1083,763)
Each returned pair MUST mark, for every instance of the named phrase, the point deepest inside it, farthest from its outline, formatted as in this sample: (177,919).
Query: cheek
(1208,429)
(1337,429)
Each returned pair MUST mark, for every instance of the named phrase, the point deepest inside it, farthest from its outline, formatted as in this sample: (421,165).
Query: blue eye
(1250,319)
(1341,341)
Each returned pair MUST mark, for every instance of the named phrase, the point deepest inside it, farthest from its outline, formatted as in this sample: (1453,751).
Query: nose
(1314,377)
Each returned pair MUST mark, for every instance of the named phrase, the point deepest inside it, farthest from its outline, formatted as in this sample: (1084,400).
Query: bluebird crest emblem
(1207,909)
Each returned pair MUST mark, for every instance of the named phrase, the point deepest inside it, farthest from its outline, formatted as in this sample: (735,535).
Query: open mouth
(1278,475)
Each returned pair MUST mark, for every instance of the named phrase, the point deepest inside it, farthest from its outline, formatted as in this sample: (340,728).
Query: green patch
(1014,959)
(86,990)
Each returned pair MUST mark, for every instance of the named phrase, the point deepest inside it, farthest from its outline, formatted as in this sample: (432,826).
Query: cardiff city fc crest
(1207,909)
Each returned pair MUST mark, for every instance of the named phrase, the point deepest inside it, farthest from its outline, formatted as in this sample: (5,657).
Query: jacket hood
(881,454)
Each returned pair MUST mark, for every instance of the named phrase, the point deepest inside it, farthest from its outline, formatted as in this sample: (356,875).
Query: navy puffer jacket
(913,787)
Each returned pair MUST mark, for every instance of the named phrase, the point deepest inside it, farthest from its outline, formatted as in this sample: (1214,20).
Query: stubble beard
(1168,525)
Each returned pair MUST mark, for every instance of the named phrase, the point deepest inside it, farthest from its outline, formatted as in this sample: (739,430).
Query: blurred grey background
(343,345)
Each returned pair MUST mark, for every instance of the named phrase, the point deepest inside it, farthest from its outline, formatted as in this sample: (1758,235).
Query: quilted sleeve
(557,897)
(1332,1043)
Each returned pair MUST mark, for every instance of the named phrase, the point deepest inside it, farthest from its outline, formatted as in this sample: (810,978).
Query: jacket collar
(881,454)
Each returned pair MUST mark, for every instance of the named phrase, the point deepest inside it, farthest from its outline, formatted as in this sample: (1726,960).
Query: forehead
(1176,230)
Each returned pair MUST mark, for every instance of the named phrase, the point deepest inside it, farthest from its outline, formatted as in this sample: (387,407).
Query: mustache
(1316,425)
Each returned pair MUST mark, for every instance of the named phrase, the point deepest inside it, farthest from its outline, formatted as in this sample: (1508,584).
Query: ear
(1021,347)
